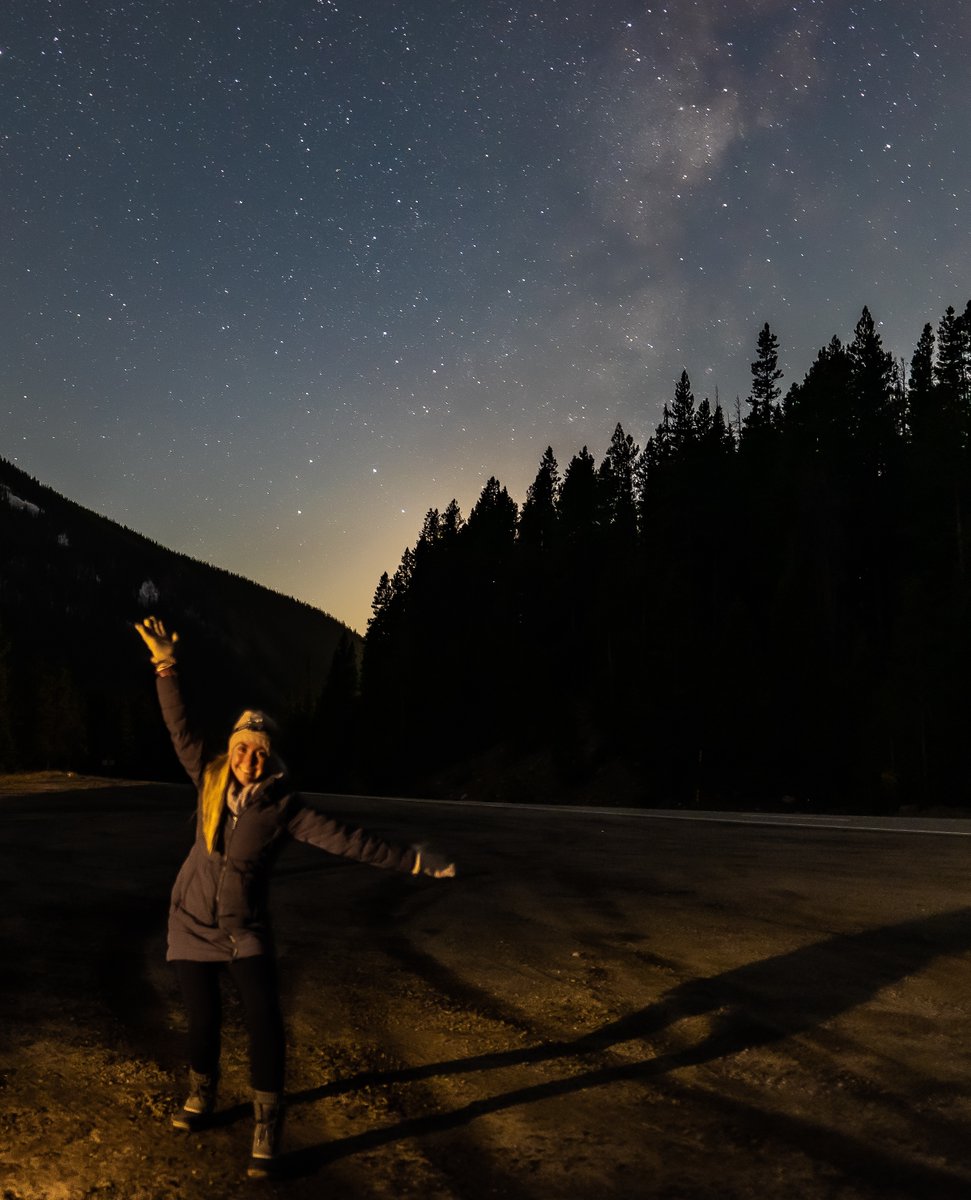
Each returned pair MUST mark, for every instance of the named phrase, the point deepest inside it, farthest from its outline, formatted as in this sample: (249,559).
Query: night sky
(278,277)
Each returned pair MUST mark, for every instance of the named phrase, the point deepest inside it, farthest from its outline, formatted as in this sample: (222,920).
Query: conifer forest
(770,602)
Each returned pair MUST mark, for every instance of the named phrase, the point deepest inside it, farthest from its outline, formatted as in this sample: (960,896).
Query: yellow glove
(427,862)
(160,642)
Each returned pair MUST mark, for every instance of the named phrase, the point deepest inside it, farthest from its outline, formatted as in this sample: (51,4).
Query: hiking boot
(268,1111)
(199,1103)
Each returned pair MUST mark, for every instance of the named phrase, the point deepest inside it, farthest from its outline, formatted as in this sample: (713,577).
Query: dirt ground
(599,1005)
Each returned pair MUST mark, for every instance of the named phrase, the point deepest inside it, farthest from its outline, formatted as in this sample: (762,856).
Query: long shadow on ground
(752,1006)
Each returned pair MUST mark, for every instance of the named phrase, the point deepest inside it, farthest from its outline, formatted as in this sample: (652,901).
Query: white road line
(946,826)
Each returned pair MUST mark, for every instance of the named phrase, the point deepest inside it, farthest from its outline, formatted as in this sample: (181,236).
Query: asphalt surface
(600,1004)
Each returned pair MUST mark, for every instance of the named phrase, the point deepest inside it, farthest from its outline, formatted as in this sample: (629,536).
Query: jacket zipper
(227,838)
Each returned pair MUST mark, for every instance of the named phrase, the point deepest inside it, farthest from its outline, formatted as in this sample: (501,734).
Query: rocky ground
(599,1005)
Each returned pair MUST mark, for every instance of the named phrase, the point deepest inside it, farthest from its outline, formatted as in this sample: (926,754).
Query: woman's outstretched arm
(161,645)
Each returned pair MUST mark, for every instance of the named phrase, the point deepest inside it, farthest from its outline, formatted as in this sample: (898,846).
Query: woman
(217,916)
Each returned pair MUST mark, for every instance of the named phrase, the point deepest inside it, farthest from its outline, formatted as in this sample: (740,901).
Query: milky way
(279,277)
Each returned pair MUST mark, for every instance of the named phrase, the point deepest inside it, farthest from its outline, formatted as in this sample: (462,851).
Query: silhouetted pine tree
(685,490)
(539,598)
(537,520)
(488,601)
(684,429)
(763,412)
(815,575)
(614,606)
(921,410)
(386,671)
(615,487)
(764,502)
(951,371)
(578,499)
(451,523)
(875,420)
(878,423)
(579,516)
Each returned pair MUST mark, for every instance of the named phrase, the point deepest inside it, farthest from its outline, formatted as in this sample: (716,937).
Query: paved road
(955,826)
(628,997)
(602,1003)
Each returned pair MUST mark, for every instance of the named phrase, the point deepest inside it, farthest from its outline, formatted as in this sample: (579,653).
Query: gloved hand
(160,642)
(428,862)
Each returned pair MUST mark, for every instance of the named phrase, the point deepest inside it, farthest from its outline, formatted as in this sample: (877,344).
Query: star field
(278,278)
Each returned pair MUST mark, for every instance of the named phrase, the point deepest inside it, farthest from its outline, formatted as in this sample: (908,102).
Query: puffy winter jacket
(218,907)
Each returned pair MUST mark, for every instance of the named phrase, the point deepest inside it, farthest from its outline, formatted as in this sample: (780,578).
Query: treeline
(770,604)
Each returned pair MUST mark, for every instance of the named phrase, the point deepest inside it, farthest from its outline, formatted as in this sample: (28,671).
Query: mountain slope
(75,690)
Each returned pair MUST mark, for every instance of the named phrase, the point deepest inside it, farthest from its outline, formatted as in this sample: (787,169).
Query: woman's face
(247,761)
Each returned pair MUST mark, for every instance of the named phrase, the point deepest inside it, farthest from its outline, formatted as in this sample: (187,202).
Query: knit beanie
(255,726)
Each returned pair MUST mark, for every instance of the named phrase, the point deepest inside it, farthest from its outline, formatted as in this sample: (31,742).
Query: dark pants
(255,980)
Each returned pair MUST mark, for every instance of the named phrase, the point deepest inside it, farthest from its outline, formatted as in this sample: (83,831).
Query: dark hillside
(75,689)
